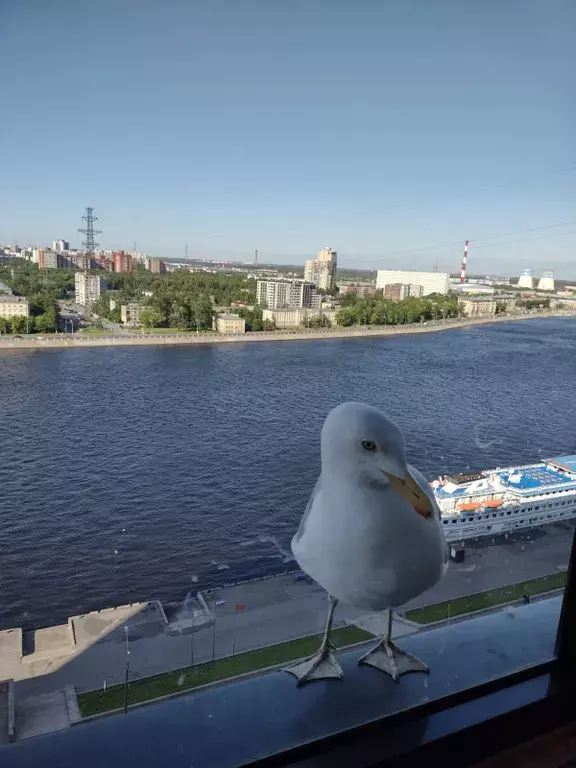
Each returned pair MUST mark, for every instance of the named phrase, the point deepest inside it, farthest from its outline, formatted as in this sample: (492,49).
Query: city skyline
(32,251)
(426,126)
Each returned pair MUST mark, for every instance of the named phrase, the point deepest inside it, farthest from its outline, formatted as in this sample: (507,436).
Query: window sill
(268,719)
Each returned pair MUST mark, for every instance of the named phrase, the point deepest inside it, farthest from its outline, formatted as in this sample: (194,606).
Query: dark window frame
(473,724)
(458,729)
(502,713)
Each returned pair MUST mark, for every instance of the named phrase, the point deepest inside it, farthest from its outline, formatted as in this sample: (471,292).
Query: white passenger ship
(507,499)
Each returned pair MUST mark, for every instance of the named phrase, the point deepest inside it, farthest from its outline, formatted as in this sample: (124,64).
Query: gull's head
(359,437)
(359,442)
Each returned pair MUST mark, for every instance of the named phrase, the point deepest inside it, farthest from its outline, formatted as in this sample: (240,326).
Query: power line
(528,229)
(479,240)
(527,240)
(472,192)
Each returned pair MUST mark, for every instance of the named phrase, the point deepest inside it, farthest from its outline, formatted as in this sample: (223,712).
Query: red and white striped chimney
(464,263)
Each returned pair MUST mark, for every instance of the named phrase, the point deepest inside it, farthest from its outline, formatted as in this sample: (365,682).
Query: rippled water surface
(132,473)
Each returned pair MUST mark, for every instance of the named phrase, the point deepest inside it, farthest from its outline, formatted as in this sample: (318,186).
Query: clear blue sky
(391,130)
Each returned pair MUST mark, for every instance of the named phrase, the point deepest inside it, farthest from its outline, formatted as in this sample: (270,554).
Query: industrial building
(88,288)
(525,280)
(431,282)
(276,294)
(473,289)
(546,282)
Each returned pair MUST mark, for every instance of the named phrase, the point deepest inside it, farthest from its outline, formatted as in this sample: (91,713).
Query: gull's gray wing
(427,488)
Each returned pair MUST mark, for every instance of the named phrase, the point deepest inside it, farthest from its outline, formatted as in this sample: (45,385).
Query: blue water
(133,473)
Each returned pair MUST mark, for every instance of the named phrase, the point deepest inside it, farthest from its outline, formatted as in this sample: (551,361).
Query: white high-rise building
(546,282)
(431,282)
(310,271)
(276,294)
(526,280)
(88,288)
(322,270)
(60,245)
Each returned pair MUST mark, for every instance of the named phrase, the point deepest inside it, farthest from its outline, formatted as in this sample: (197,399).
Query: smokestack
(464,263)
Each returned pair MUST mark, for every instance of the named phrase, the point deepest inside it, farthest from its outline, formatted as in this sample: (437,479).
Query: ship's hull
(507,500)
(456,529)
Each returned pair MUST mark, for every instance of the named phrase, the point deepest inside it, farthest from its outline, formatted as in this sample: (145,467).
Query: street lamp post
(192,642)
(127,671)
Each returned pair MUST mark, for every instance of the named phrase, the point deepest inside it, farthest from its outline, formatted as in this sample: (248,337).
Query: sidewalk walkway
(94,649)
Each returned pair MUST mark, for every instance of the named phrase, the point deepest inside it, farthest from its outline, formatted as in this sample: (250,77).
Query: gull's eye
(368,445)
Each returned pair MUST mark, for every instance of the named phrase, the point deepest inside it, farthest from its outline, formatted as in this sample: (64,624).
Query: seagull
(371,534)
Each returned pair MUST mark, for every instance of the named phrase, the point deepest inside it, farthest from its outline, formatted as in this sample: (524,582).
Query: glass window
(179,500)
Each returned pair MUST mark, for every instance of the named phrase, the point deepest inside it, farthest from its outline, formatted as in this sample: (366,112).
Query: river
(129,473)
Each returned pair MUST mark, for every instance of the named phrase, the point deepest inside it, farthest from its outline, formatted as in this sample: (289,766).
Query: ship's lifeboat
(493,503)
(470,507)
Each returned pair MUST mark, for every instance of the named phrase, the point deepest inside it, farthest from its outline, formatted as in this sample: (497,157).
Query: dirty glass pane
(220,223)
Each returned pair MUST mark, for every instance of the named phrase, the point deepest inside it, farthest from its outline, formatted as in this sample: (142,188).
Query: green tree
(19,324)
(348,299)
(345,316)
(268,325)
(151,318)
(5,326)
(180,316)
(253,318)
(320,321)
(46,322)
(203,313)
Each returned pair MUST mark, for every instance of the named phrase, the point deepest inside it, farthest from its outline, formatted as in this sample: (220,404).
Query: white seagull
(371,534)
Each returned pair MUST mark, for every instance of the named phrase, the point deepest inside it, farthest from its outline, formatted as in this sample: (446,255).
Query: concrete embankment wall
(76,341)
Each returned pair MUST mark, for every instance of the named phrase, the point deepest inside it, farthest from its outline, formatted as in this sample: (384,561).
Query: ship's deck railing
(510,501)
(512,470)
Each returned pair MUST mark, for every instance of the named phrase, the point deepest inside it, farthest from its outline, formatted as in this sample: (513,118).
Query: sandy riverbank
(78,340)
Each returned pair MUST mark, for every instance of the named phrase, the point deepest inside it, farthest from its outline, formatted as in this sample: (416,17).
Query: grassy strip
(148,688)
(160,331)
(481,600)
(91,332)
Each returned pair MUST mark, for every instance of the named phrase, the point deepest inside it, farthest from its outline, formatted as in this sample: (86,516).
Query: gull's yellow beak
(412,493)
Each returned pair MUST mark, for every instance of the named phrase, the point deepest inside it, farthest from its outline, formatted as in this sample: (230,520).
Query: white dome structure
(546,282)
(525,280)
(472,288)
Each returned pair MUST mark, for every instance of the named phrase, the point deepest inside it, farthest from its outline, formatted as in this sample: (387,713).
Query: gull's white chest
(367,547)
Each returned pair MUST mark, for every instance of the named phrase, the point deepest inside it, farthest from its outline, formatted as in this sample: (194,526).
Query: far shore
(79,340)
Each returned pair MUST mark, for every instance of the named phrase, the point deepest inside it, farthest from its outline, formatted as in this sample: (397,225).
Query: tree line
(376,310)
(180,299)
(41,289)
